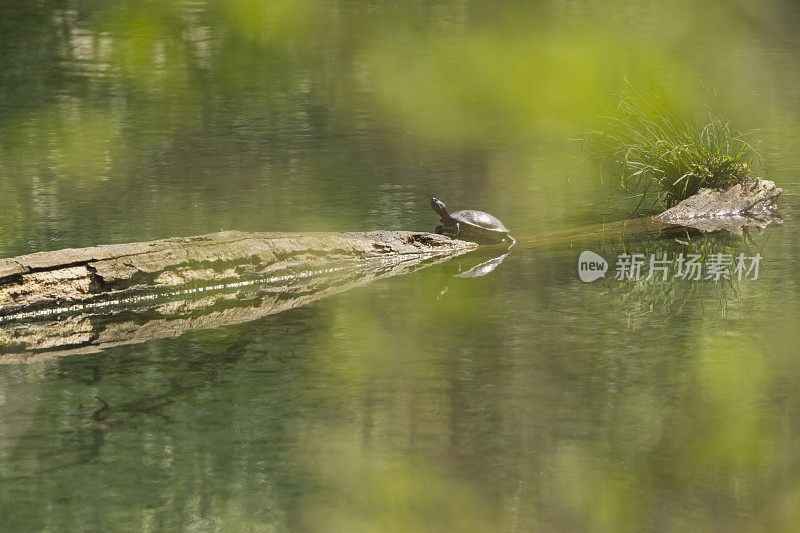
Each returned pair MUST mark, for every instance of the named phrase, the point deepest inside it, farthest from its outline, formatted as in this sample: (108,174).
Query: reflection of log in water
(50,302)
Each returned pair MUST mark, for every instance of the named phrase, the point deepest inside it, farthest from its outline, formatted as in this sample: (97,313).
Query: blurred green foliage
(519,401)
(188,108)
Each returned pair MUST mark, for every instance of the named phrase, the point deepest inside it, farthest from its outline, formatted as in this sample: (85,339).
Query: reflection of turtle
(487,267)
(456,268)
(470,225)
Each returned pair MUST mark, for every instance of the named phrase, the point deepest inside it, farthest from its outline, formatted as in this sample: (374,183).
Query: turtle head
(440,209)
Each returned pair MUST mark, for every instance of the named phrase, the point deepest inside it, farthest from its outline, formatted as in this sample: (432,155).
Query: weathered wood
(732,209)
(88,331)
(51,300)
(74,274)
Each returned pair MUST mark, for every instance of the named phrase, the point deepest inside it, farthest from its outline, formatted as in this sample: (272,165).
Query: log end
(746,204)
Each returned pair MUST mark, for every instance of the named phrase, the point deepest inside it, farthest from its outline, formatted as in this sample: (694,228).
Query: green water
(522,400)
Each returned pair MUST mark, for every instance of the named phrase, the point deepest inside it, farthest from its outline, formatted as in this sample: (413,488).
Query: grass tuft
(664,158)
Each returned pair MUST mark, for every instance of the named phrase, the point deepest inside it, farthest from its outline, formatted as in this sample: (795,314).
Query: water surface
(522,400)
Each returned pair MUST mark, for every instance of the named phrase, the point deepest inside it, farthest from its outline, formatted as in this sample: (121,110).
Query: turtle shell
(479,220)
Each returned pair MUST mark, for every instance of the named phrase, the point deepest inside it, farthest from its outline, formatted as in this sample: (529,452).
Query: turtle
(471,225)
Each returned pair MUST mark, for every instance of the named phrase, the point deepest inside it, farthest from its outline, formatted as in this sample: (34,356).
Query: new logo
(591,266)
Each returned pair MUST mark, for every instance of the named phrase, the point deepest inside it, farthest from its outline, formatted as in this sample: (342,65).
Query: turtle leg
(439,229)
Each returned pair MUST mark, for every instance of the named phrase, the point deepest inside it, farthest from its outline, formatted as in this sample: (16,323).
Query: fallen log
(50,302)
(742,205)
(71,275)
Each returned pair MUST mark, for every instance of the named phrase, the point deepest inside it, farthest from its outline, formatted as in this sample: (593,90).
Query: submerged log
(732,209)
(50,302)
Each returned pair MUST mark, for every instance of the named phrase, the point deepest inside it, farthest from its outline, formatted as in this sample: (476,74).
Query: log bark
(742,205)
(78,300)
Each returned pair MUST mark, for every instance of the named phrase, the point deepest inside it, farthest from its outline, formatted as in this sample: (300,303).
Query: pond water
(522,400)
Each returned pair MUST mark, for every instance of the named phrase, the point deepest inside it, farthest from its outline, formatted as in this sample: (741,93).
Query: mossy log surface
(216,279)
